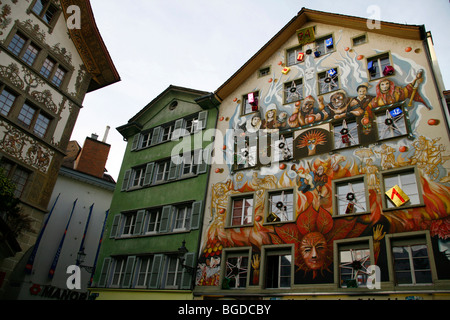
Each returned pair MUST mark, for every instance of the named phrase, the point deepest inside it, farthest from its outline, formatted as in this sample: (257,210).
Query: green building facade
(153,229)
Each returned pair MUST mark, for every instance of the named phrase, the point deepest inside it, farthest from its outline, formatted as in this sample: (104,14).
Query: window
(129,224)
(183,217)
(118,271)
(18,175)
(162,171)
(143,269)
(328,81)
(407,180)
(58,77)
(281,206)
(391,123)
(192,124)
(250,103)
(47,67)
(45,10)
(242,211)
(173,272)
(291,56)
(345,135)
(325,45)
(153,220)
(246,152)
(41,125)
(264,72)
(17,43)
(236,274)
(51,70)
(283,148)
(411,264)
(376,65)
(145,140)
(191,162)
(166,134)
(359,40)
(350,196)
(353,267)
(278,270)
(26,115)
(32,117)
(6,101)
(293,91)
(30,54)
(138,177)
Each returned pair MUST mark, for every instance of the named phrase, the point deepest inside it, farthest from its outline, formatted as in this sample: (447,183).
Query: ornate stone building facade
(51,55)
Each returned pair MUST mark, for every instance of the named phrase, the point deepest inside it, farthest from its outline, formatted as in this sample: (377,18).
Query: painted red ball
(403,149)
(408,49)
(282,166)
(433,122)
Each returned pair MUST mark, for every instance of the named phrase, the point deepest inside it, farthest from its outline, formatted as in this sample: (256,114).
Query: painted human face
(362,91)
(313,250)
(255,121)
(307,106)
(337,100)
(384,86)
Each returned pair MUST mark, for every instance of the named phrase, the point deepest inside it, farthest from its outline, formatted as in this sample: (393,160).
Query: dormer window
(46,10)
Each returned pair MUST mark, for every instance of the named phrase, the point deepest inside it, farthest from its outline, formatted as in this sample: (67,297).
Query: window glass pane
(19,178)
(353,267)
(26,115)
(6,101)
(236,272)
(58,77)
(30,54)
(47,67)
(293,91)
(390,126)
(41,126)
(16,44)
(346,135)
(50,13)
(351,197)
(282,206)
(39,6)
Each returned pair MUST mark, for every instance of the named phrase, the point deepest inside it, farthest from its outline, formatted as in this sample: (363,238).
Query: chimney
(93,156)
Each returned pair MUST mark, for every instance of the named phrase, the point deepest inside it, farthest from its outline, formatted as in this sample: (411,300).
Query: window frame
(335,184)
(11,174)
(397,171)
(288,85)
(51,24)
(410,238)
(233,253)
(366,39)
(230,207)
(380,113)
(274,148)
(319,41)
(348,244)
(268,205)
(377,58)
(353,132)
(38,111)
(10,92)
(295,50)
(139,271)
(245,103)
(323,75)
(279,251)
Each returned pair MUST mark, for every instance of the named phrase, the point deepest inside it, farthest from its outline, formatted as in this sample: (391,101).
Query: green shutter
(115,226)
(178,129)
(139,222)
(153,282)
(186,277)
(175,164)
(136,139)
(126,180)
(156,134)
(202,118)
(205,158)
(149,173)
(196,215)
(104,273)
(128,275)
(165,219)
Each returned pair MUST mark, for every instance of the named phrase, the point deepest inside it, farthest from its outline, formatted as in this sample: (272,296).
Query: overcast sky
(199,44)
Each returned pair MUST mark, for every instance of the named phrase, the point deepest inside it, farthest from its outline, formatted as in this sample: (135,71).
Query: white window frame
(118,272)
(243,216)
(156,223)
(129,222)
(137,178)
(279,252)
(381,61)
(165,173)
(292,54)
(143,269)
(182,216)
(272,205)
(173,261)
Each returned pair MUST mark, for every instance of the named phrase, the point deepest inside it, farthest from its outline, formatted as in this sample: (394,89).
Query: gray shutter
(156,134)
(202,118)
(115,226)
(165,219)
(128,275)
(153,282)
(104,273)
(149,173)
(139,222)
(136,139)
(175,164)
(205,158)
(196,215)
(186,277)
(126,180)
(178,129)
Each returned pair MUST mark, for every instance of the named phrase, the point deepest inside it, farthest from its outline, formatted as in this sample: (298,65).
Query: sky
(200,44)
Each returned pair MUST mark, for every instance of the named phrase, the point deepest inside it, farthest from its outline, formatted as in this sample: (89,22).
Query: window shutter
(126,180)
(202,118)
(165,219)
(149,173)
(136,139)
(156,134)
(205,158)
(115,226)
(153,282)
(104,273)
(178,129)
(139,221)
(129,268)
(174,166)
(186,277)
(196,215)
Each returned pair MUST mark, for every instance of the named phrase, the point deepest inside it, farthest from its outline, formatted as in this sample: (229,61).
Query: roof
(91,47)
(412,32)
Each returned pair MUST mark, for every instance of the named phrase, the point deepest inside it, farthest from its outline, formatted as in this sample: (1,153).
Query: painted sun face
(313,249)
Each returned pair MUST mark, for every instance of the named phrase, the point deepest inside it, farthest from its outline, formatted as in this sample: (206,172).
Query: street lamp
(81,255)
(181,253)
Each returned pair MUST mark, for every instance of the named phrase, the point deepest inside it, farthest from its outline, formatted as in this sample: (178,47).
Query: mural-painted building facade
(157,207)
(330,172)
(51,55)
